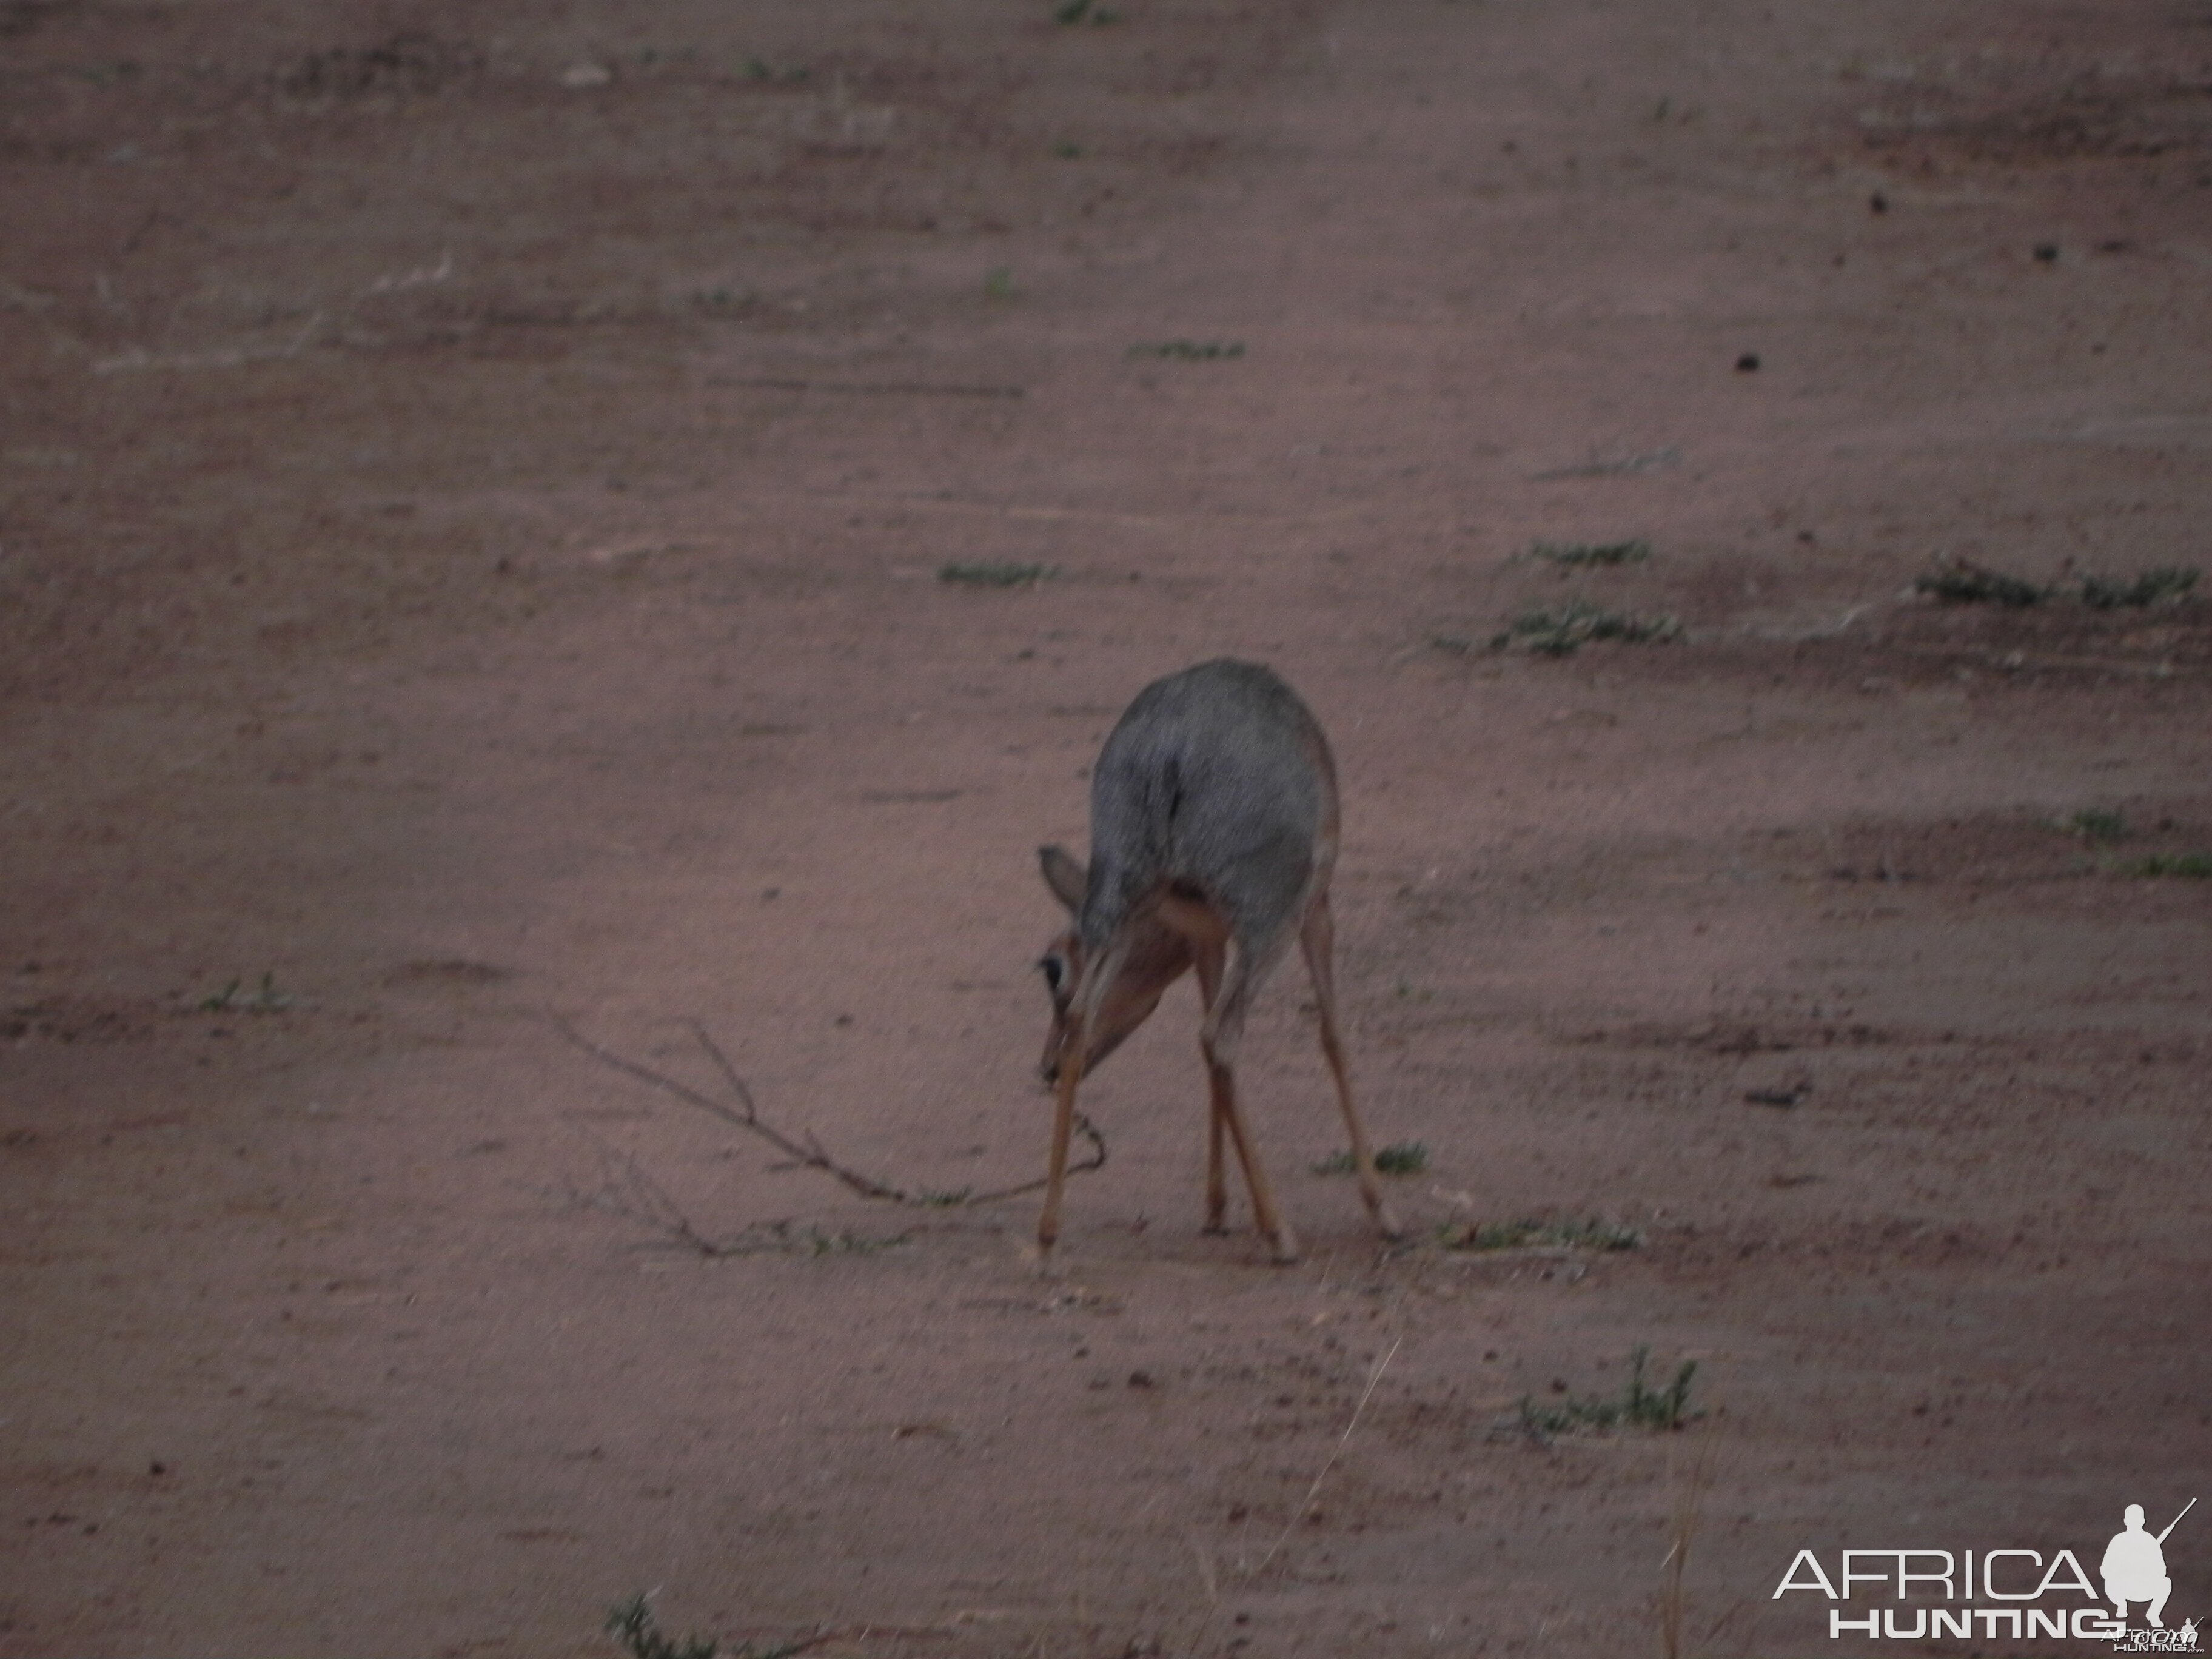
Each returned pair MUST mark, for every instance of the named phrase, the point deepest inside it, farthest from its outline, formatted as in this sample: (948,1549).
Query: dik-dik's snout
(1103,1043)
(1144,976)
(1144,959)
(1061,965)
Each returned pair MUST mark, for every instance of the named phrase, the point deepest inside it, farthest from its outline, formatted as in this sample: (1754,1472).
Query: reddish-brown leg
(1318,939)
(1219,1035)
(1209,964)
(1063,1125)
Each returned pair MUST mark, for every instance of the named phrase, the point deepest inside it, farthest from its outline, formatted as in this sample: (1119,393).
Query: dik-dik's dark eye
(1054,970)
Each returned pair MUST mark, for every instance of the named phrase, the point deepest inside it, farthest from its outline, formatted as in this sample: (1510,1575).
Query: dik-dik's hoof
(1387,1224)
(1283,1249)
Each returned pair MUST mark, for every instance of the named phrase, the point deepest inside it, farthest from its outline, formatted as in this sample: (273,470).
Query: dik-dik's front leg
(1063,1125)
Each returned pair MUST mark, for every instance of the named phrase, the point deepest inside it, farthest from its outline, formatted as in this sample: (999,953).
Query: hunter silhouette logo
(2134,1570)
(2021,1594)
(2135,1566)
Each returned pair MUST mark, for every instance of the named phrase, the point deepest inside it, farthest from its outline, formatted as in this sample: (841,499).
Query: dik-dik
(1213,828)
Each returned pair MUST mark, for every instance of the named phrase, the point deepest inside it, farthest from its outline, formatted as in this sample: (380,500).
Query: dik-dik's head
(1143,960)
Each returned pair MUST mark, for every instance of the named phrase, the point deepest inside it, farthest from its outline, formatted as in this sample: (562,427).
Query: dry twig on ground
(1313,1490)
(1689,1497)
(742,1112)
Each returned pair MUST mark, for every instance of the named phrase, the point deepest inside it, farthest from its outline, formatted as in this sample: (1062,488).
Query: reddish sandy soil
(473,483)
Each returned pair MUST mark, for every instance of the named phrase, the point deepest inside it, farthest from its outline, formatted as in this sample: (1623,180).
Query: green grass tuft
(1189,352)
(2164,582)
(1957,582)
(630,1623)
(759,69)
(231,1000)
(1638,1407)
(1402,1157)
(1969,584)
(2191,866)
(993,573)
(1589,1235)
(2097,824)
(844,1241)
(1558,633)
(1592,553)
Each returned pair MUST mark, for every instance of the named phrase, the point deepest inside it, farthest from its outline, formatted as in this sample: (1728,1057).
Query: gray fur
(1217,781)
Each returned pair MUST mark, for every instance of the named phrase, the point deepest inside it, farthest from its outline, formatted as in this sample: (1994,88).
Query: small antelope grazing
(1214,827)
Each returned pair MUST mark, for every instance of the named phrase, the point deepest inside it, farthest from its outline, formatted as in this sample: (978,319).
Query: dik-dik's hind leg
(1318,939)
(1208,960)
(1220,1036)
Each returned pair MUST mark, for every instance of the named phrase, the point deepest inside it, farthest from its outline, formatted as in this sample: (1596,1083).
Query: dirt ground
(473,487)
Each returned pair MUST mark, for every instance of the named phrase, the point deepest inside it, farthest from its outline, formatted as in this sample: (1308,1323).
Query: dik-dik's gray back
(1213,828)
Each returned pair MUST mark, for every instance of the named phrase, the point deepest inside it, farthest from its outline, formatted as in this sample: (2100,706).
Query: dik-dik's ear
(1064,876)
